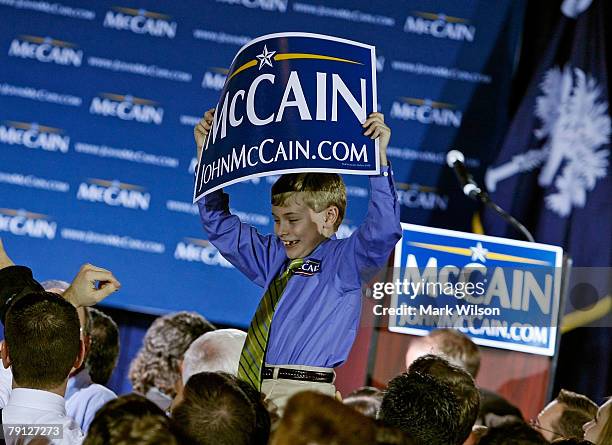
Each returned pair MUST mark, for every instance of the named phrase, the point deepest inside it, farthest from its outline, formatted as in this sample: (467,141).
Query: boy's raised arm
(375,127)
(200,131)
(241,244)
(374,240)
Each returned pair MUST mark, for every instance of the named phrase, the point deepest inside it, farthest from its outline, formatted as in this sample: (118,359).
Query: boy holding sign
(307,320)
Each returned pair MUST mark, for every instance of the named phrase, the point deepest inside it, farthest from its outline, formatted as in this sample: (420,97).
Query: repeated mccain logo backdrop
(98,101)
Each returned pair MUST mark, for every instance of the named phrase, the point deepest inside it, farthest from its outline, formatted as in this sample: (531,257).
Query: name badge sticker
(309,268)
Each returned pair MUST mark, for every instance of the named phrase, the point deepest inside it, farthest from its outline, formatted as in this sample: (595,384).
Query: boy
(307,320)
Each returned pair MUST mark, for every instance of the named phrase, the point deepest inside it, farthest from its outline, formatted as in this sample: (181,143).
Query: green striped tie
(254,350)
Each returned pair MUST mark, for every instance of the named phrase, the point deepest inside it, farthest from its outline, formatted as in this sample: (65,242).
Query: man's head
(214,410)
(452,344)
(55,286)
(495,410)
(462,385)
(424,407)
(365,400)
(130,419)
(512,433)
(59,287)
(263,418)
(216,351)
(42,342)
(599,429)
(307,209)
(314,418)
(104,349)
(164,344)
(565,415)
(570,442)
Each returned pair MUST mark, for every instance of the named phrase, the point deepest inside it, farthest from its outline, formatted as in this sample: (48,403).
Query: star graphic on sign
(479,253)
(265,58)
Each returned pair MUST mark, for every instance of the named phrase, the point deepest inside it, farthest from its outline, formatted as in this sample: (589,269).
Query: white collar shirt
(37,408)
(6,383)
(84,398)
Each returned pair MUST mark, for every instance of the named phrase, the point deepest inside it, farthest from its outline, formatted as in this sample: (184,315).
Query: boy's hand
(375,127)
(5,261)
(200,131)
(83,291)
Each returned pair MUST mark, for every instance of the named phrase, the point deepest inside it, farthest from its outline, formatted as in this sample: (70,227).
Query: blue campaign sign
(503,293)
(292,102)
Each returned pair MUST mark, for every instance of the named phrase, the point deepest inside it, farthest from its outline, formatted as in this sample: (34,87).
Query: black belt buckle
(298,374)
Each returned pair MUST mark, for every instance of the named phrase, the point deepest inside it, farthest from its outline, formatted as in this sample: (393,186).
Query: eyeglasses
(534,423)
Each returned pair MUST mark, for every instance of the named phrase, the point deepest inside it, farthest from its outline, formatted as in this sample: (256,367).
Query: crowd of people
(59,352)
(274,384)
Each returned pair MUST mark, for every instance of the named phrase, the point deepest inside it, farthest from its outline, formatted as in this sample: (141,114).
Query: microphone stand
(455,160)
(486,200)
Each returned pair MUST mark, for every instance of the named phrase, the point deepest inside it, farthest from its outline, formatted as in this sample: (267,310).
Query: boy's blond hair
(320,190)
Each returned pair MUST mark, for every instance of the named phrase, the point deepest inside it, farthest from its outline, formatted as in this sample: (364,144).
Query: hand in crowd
(5,261)
(83,290)
(200,131)
(376,128)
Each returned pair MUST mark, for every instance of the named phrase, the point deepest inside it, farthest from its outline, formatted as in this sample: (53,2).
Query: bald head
(451,344)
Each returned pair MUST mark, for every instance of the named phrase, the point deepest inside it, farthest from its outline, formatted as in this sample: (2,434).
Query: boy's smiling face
(299,227)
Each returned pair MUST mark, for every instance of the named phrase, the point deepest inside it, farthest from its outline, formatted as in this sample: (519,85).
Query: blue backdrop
(98,101)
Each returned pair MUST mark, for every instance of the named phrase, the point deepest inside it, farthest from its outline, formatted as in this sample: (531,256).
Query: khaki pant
(279,391)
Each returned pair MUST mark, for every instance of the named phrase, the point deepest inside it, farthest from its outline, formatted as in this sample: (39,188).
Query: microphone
(456,161)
